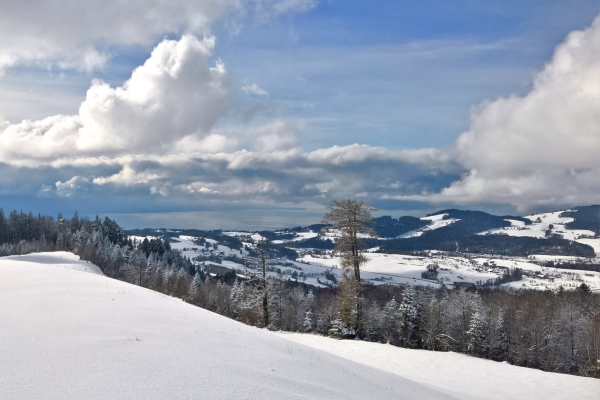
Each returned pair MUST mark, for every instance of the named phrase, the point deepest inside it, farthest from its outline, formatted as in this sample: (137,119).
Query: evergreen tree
(499,340)
(391,321)
(477,334)
(409,318)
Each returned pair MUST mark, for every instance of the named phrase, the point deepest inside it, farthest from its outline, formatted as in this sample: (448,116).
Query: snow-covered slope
(436,221)
(458,375)
(552,223)
(60,259)
(68,334)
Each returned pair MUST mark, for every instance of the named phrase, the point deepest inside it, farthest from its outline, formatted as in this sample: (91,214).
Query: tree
(263,254)
(478,341)
(408,318)
(350,218)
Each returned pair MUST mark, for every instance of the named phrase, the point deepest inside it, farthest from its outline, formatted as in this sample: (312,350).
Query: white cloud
(75,185)
(286,6)
(272,176)
(68,32)
(255,90)
(273,136)
(540,149)
(161,133)
(129,177)
(87,60)
(213,143)
(173,95)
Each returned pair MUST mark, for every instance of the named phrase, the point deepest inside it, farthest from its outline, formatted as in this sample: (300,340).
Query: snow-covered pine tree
(391,321)
(235,299)
(499,338)
(340,330)
(194,288)
(477,336)
(408,323)
(309,322)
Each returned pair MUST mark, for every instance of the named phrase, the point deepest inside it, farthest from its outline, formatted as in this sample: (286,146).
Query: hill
(559,233)
(69,333)
(72,334)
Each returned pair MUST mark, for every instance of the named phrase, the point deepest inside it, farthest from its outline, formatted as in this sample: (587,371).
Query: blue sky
(397,102)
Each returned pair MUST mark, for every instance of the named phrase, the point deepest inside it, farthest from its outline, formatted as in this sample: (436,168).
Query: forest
(551,331)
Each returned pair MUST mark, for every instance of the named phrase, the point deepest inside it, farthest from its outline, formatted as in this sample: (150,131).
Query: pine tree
(499,340)
(309,317)
(309,322)
(194,288)
(408,318)
(391,321)
(235,299)
(477,334)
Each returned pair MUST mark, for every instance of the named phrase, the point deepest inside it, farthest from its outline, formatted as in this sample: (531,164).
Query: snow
(141,238)
(194,250)
(407,269)
(61,259)
(538,229)
(236,233)
(257,237)
(458,375)
(69,334)
(437,221)
(188,238)
(299,236)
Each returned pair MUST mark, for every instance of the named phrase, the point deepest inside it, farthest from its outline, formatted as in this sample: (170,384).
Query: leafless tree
(350,219)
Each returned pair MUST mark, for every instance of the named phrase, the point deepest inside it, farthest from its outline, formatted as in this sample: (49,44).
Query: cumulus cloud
(542,148)
(75,185)
(176,93)
(68,32)
(162,133)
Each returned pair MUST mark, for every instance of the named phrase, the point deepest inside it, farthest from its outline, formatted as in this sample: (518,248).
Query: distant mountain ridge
(481,232)
(562,233)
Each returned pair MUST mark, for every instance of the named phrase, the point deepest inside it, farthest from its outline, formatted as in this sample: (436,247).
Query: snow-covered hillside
(436,221)
(68,334)
(549,223)
(458,375)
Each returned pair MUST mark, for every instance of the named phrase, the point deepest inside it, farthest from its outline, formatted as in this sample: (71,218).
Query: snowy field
(458,375)
(189,249)
(406,269)
(69,334)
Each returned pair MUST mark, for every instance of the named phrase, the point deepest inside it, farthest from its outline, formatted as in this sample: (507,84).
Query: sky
(257,113)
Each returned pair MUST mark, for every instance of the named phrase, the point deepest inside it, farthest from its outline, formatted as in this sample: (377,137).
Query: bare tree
(351,218)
